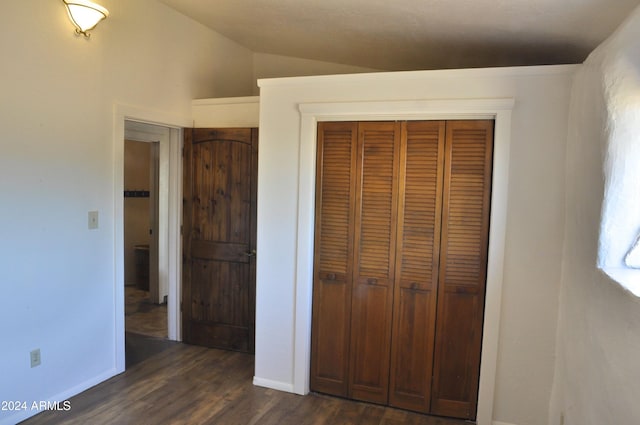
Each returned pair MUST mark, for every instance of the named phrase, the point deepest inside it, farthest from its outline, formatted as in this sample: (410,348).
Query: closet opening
(400,262)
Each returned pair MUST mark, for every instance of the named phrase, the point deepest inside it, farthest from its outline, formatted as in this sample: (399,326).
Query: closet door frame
(498,109)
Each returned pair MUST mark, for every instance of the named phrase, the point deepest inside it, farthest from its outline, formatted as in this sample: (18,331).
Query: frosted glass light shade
(85,15)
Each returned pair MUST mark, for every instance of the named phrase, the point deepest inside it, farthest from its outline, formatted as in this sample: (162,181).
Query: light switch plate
(35,357)
(93,219)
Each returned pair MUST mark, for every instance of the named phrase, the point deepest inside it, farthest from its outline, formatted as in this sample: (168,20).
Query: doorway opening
(401,237)
(497,109)
(141,161)
(146,246)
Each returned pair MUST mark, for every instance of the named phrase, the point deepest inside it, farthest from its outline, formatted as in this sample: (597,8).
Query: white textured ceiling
(415,34)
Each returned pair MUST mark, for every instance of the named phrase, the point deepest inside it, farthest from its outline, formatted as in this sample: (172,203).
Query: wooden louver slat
(334,244)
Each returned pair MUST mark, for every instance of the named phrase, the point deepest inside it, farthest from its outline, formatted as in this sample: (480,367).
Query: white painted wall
(244,111)
(534,227)
(597,378)
(275,66)
(56,163)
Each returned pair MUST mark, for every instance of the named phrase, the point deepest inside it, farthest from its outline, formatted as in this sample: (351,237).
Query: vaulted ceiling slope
(415,34)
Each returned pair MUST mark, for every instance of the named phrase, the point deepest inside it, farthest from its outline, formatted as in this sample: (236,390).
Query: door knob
(251,253)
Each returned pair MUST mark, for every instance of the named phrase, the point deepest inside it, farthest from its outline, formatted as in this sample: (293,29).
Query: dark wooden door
(219,238)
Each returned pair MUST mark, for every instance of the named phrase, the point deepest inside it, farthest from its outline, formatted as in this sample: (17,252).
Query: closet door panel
(333,265)
(370,346)
(463,259)
(419,216)
(375,221)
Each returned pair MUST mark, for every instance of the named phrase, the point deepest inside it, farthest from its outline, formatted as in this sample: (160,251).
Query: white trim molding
(498,109)
(275,385)
(226,112)
(384,77)
(22,415)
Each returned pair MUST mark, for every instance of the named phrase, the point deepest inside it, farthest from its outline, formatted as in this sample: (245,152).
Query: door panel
(333,266)
(417,260)
(219,238)
(370,345)
(463,264)
(155,292)
(375,222)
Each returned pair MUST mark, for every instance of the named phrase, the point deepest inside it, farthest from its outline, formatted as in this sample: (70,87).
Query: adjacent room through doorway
(145,304)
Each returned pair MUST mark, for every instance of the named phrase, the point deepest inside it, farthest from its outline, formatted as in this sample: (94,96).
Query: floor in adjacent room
(142,316)
(145,326)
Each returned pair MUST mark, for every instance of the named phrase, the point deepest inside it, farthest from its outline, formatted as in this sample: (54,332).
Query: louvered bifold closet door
(333,267)
(463,259)
(375,229)
(414,311)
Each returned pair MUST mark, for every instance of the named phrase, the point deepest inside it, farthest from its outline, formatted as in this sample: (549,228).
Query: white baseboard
(502,423)
(276,385)
(65,395)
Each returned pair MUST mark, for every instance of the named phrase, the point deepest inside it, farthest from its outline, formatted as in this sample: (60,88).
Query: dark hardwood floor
(184,384)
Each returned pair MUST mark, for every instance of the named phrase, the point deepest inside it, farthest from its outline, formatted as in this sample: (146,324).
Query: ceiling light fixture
(85,15)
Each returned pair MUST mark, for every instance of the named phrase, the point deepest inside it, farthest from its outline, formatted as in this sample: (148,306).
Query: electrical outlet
(93,219)
(35,357)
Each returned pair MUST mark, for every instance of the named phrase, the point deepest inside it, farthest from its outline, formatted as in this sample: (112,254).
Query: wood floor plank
(192,385)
